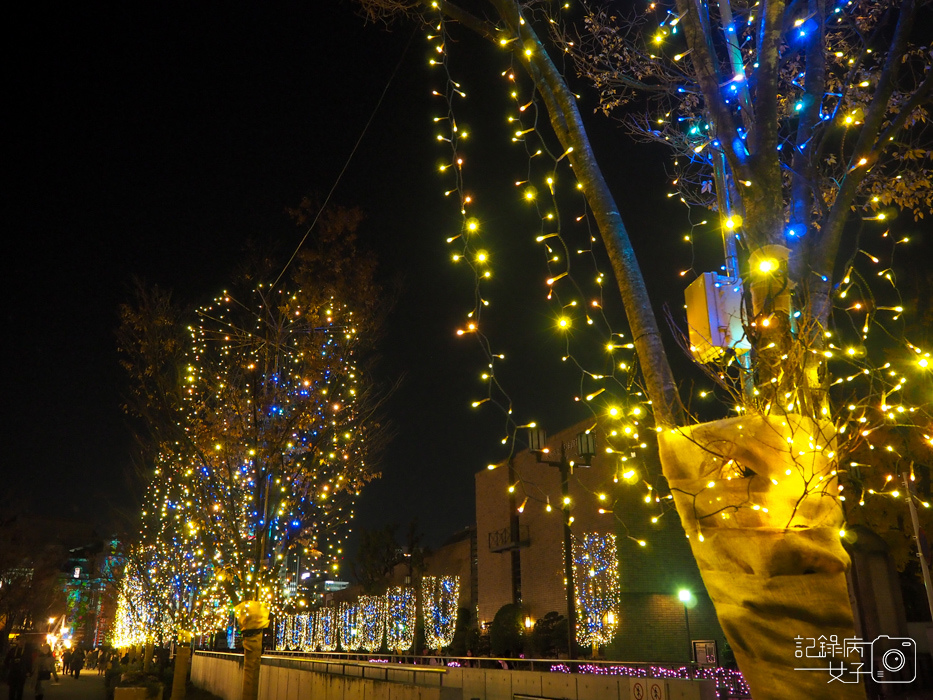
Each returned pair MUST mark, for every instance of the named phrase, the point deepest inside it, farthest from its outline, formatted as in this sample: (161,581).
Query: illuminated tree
(371,620)
(596,584)
(802,127)
(401,618)
(439,596)
(153,600)
(261,423)
(164,587)
(348,616)
(325,629)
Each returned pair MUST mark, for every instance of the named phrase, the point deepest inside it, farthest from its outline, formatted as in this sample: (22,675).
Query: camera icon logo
(893,659)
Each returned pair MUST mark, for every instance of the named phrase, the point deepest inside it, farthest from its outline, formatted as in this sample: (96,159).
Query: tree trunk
(568,126)
(766,540)
(253,618)
(252,657)
(756,498)
(182,663)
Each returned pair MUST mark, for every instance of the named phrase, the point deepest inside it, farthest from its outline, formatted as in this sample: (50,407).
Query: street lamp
(49,637)
(686,597)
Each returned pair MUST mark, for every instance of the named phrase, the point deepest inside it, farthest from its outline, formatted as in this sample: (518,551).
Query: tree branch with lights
(797,125)
(261,426)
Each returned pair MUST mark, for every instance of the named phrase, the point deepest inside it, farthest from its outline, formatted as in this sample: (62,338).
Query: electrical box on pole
(714,317)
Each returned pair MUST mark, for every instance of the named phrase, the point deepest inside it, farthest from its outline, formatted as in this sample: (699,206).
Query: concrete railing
(285,678)
(218,673)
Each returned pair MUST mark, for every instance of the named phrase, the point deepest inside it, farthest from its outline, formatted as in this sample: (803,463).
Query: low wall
(220,674)
(289,678)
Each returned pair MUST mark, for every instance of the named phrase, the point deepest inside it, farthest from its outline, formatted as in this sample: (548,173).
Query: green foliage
(506,635)
(466,636)
(549,636)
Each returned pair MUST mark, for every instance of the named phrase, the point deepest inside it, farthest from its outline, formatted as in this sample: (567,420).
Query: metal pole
(689,641)
(720,173)
(568,552)
(923,562)
(515,562)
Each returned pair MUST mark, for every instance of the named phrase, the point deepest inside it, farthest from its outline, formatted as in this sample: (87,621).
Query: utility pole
(515,556)
(564,467)
(586,450)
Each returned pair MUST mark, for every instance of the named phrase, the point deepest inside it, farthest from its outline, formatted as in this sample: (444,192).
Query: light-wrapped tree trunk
(756,496)
(253,618)
(182,662)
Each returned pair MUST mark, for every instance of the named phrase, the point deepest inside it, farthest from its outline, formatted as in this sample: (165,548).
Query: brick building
(520,545)
(457,557)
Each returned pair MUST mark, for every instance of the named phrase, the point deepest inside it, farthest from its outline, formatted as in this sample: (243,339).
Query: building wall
(653,625)
(454,558)
(493,569)
(542,561)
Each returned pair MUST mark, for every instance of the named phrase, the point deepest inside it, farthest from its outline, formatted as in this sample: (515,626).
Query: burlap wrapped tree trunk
(253,618)
(182,662)
(757,496)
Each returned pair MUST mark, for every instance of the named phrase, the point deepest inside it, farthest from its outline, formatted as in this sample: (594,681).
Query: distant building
(66,574)
(458,557)
(89,581)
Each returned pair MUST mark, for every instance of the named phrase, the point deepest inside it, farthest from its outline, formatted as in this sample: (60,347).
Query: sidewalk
(89,686)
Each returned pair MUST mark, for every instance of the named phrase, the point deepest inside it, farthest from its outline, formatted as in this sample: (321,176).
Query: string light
(439,599)
(325,629)
(348,616)
(596,584)
(372,618)
(401,611)
(272,445)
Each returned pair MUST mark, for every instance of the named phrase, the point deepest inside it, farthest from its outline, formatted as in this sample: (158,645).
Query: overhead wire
(346,164)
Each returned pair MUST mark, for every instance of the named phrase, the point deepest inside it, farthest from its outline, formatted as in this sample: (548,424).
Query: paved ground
(89,686)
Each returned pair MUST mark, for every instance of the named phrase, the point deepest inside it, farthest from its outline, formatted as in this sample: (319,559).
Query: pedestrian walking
(66,662)
(77,662)
(18,666)
(54,666)
(45,667)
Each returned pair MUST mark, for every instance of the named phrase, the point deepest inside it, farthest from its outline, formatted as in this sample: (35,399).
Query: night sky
(157,139)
